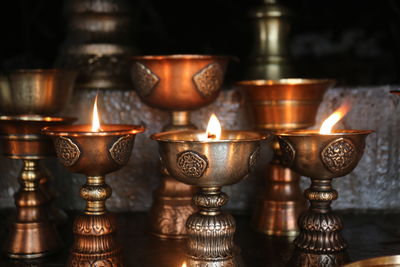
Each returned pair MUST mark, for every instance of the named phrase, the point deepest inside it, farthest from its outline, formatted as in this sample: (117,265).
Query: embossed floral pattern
(209,79)
(121,149)
(144,79)
(192,164)
(339,155)
(67,151)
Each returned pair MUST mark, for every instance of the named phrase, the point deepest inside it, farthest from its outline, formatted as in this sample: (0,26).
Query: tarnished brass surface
(37,91)
(270,56)
(275,105)
(322,158)
(94,154)
(177,83)
(190,158)
(387,261)
(31,235)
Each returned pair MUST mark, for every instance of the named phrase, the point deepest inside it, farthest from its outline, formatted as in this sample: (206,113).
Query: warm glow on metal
(336,116)
(96,127)
(214,128)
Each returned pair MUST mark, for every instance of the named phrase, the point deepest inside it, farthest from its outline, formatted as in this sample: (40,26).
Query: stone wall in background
(374,184)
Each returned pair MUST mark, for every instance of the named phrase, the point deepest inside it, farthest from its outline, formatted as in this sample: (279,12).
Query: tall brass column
(269,58)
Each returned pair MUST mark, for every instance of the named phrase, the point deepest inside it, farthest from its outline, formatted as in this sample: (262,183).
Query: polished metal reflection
(275,105)
(178,84)
(388,261)
(94,154)
(31,233)
(209,164)
(38,91)
(270,57)
(321,157)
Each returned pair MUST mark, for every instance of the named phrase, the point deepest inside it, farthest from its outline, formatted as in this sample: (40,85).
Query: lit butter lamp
(322,155)
(94,150)
(210,160)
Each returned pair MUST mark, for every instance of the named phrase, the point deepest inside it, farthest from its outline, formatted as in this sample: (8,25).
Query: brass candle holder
(321,157)
(209,164)
(94,154)
(275,105)
(41,92)
(31,234)
(178,84)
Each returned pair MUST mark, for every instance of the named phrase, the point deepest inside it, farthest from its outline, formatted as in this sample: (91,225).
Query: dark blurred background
(356,42)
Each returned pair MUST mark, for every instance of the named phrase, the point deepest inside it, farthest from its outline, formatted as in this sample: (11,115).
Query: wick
(211,136)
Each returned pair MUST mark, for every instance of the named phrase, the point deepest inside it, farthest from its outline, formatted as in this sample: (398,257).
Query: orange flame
(184,264)
(336,116)
(96,127)
(214,128)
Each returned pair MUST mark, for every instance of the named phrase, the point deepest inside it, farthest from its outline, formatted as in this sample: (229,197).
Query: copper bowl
(93,153)
(178,82)
(22,137)
(286,103)
(39,91)
(322,156)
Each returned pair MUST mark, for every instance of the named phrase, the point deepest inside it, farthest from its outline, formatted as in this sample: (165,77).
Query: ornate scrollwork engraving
(67,151)
(254,158)
(288,152)
(192,164)
(144,79)
(209,79)
(121,149)
(339,155)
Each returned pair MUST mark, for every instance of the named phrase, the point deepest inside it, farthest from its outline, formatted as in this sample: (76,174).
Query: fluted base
(95,243)
(210,231)
(235,261)
(304,259)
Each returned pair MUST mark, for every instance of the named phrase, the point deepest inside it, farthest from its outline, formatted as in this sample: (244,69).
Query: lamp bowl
(193,160)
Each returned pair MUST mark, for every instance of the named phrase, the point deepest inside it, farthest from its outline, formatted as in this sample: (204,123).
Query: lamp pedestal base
(210,231)
(32,235)
(280,204)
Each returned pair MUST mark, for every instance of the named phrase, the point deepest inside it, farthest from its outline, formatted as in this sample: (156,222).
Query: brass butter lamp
(210,160)
(321,155)
(178,84)
(28,99)
(275,105)
(95,151)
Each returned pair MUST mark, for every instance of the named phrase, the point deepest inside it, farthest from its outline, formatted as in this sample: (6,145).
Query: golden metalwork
(320,241)
(99,153)
(270,56)
(388,261)
(32,234)
(215,164)
(177,83)
(38,91)
(277,105)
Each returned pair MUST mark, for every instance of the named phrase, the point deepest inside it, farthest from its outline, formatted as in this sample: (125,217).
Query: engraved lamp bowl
(38,91)
(286,103)
(178,82)
(191,159)
(322,156)
(94,153)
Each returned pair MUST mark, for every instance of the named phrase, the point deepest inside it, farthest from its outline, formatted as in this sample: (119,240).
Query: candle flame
(214,128)
(336,116)
(184,264)
(96,127)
